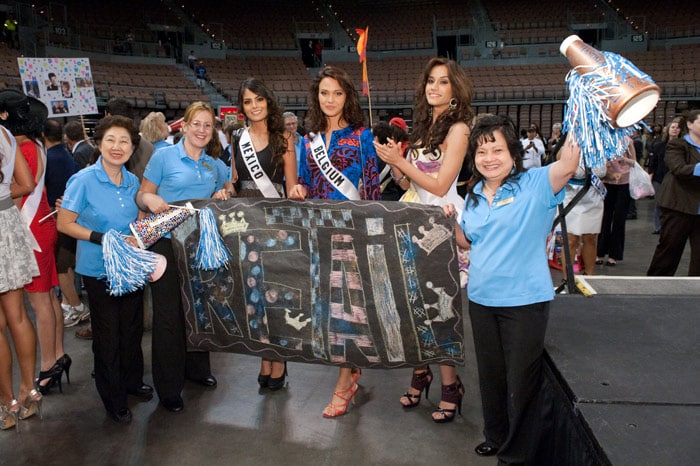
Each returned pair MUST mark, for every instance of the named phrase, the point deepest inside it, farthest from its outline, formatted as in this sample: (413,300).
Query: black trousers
(676,229)
(509,343)
(117,328)
(611,240)
(171,361)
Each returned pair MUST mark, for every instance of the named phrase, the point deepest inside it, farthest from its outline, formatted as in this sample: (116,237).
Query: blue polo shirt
(101,206)
(508,259)
(179,177)
(223,173)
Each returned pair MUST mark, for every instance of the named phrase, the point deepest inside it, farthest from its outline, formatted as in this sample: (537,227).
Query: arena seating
(525,81)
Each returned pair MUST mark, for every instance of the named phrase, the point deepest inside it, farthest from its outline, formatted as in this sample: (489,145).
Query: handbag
(640,182)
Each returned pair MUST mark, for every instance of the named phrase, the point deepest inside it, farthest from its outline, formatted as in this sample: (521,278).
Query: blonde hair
(197,106)
(153,127)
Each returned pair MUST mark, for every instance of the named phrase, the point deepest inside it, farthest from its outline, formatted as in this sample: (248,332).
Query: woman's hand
(390,152)
(222,194)
(298,191)
(132,241)
(153,202)
(449,210)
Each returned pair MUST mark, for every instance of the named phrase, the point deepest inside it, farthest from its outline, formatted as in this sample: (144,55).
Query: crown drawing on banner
(431,238)
(235,224)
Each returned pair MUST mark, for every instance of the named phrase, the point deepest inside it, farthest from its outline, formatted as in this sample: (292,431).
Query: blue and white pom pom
(212,253)
(128,268)
(584,113)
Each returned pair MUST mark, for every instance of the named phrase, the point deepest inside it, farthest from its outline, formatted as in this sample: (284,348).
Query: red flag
(362,43)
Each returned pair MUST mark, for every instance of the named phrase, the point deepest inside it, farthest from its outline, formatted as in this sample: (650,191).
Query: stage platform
(628,362)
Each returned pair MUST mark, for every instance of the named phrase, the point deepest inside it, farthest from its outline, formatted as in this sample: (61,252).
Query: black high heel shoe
(54,376)
(419,381)
(263,379)
(275,383)
(452,393)
(65,361)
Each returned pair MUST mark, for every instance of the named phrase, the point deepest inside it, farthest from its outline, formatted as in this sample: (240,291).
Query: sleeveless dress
(17,263)
(45,232)
(430,163)
(246,187)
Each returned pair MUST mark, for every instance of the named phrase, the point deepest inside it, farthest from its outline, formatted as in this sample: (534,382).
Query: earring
(453,104)
(430,112)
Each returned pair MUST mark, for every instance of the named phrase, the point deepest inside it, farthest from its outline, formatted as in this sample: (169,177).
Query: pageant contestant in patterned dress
(336,134)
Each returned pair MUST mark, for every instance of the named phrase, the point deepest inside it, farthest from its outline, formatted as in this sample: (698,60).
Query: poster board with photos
(64,85)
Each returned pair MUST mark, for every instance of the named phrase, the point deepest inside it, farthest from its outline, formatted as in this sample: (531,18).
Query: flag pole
(362,52)
(369,94)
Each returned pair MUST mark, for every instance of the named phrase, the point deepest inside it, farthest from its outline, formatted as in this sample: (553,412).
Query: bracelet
(96,237)
(400,180)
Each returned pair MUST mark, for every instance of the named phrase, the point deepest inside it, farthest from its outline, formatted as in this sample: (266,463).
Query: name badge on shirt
(506,201)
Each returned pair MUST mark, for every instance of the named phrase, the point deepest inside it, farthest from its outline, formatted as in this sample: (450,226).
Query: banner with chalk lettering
(371,284)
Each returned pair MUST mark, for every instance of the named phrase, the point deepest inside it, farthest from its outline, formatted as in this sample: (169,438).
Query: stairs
(216,99)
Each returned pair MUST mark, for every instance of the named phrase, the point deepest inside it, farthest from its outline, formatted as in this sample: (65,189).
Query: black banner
(372,284)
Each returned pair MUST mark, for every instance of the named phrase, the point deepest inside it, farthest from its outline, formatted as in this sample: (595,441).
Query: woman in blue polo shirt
(99,198)
(176,173)
(507,216)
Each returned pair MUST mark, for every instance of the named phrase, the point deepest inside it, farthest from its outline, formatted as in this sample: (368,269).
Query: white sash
(31,205)
(257,174)
(332,174)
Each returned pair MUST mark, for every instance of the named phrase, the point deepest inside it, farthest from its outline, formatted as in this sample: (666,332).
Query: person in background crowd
(657,165)
(60,166)
(191,59)
(395,129)
(200,72)
(679,203)
(533,146)
(228,132)
(78,144)
(552,142)
(291,124)
(639,152)
(335,125)
(611,241)
(155,130)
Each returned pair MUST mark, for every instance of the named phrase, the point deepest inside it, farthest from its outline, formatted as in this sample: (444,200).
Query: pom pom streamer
(128,268)
(585,113)
(211,251)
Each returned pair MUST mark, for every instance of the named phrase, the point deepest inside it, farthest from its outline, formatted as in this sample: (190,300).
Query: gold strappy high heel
(8,415)
(31,405)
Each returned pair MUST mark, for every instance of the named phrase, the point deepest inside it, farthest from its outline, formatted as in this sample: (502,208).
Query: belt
(6,203)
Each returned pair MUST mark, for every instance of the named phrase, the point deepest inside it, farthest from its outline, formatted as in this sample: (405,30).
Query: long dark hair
(275,122)
(482,132)
(352,112)
(425,133)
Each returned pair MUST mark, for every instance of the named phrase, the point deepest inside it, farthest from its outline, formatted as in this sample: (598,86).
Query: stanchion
(570,281)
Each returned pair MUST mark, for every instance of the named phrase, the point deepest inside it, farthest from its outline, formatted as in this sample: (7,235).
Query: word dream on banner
(64,85)
(370,284)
